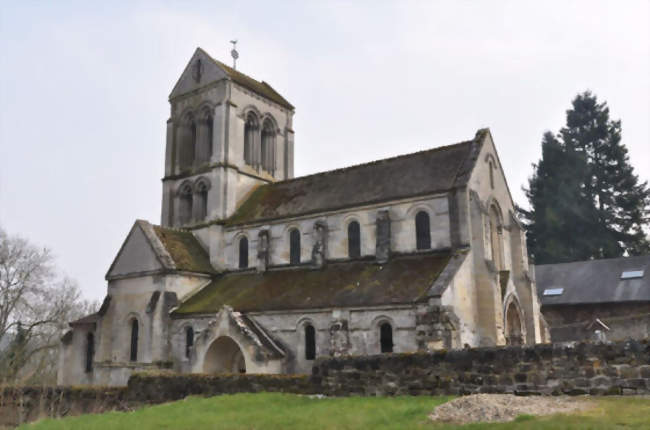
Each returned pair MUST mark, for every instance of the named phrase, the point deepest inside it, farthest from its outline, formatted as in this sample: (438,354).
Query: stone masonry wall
(551,369)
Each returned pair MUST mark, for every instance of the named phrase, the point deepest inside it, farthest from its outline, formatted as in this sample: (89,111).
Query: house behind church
(596,299)
(253,270)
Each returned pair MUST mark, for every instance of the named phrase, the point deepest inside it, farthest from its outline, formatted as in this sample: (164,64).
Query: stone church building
(253,270)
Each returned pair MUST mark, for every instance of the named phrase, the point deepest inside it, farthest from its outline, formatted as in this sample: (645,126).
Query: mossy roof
(421,173)
(185,250)
(402,280)
(261,88)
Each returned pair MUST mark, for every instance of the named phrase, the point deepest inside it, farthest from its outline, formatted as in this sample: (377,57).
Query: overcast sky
(84,87)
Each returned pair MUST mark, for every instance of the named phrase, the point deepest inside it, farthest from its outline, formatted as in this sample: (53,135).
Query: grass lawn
(288,411)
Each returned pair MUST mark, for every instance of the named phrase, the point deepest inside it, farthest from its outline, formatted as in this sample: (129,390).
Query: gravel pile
(502,407)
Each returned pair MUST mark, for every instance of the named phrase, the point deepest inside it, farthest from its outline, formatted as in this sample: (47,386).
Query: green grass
(288,411)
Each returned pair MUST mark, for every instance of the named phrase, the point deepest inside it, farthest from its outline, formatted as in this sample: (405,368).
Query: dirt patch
(503,407)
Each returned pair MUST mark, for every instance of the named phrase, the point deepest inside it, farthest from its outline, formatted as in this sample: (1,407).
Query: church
(253,270)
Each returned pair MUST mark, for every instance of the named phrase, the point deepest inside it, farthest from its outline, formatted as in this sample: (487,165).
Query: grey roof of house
(594,281)
(426,172)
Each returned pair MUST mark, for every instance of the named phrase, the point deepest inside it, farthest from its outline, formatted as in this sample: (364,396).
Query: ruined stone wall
(552,369)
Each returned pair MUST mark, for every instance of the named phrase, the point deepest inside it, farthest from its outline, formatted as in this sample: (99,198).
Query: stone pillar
(319,250)
(382,250)
(263,250)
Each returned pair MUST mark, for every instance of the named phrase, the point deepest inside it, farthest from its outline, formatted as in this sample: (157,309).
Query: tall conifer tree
(586,202)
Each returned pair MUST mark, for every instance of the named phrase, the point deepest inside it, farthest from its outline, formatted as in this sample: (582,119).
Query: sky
(84,88)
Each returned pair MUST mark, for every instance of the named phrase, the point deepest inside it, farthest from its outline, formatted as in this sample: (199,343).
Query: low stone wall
(165,387)
(583,368)
(23,404)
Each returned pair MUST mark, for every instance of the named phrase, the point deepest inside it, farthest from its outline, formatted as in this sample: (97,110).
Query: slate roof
(88,319)
(421,173)
(261,88)
(594,281)
(185,250)
(404,279)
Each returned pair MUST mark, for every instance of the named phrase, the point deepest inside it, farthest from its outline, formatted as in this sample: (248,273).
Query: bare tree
(35,307)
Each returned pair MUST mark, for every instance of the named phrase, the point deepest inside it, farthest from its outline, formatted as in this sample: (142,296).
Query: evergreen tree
(586,202)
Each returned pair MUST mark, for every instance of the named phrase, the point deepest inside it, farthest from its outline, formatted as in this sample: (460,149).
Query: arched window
(201,201)
(354,240)
(386,337)
(310,342)
(495,237)
(268,146)
(185,203)
(189,341)
(134,340)
(294,246)
(491,168)
(422,231)
(90,351)
(191,149)
(243,252)
(250,136)
(208,136)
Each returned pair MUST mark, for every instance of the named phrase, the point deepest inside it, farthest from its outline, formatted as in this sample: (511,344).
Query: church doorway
(514,331)
(224,356)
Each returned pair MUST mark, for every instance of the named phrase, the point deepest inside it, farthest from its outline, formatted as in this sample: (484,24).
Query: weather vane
(234,53)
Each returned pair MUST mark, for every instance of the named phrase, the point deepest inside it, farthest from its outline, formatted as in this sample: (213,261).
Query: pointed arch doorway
(224,356)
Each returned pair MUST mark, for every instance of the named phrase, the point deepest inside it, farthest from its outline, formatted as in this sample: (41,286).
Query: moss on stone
(185,250)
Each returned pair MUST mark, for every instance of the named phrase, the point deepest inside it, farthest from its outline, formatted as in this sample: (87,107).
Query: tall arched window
(354,240)
(495,237)
(90,351)
(191,150)
(209,136)
(185,203)
(250,136)
(189,341)
(310,342)
(134,340)
(201,200)
(294,246)
(386,337)
(422,231)
(243,252)
(268,146)
(491,168)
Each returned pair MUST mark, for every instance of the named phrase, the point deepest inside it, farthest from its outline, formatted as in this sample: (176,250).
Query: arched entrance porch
(224,356)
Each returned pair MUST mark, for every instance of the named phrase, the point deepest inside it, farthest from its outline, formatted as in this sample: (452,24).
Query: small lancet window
(243,252)
(268,146)
(294,246)
(422,231)
(201,201)
(134,340)
(386,337)
(491,167)
(310,342)
(189,341)
(185,204)
(209,136)
(354,240)
(90,351)
(250,132)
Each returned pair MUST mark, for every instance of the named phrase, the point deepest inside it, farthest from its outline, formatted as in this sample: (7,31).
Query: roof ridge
(374,162)
(594,260)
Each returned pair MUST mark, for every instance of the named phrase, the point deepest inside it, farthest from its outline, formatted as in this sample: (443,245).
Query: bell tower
(227,134)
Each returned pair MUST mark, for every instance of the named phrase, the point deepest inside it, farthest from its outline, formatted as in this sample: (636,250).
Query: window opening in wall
(354,240)
(201,201)
(268,146)
(134,340)
(243,253)
(386,337)
(422,231)
(294,246)
(209,136)
(185,206)
(250,130)
(310,342)
(189,341)
(192,148)
(90,351)
(491,167)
